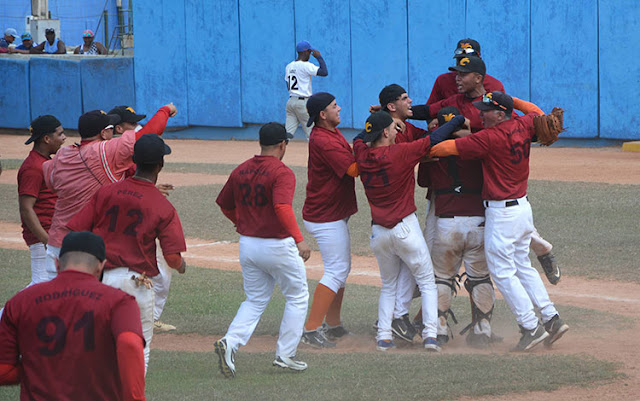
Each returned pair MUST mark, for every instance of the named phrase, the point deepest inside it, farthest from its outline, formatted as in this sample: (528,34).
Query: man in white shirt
(298,76)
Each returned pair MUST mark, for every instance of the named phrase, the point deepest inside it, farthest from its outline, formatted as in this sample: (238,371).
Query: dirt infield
(604,165)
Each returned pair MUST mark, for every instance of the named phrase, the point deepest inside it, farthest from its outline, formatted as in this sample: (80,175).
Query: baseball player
(298,75)
(457,236)
(73,338)
(130,215)
(257,198)
(446,85)
(504,148)
(470,74)
(129,120)
(387,174)
(330,201)
(77,172)
(36,201)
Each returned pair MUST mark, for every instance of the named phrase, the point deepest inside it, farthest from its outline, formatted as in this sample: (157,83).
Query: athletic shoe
(479,341)
(402,330)
(431,345)
(418,325)
(530,338)
(317,339)
(556,329)
(162,327)
(385,345)
(334,332)
(550,267)
(289,363)
(442,339)
(226,358)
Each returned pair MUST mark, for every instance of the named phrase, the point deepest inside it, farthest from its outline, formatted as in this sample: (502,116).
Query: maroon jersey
(445,86)
(504,151)
(31,183)
(331,194)
(457,185)
(253,189)
(388,177)
(411,133)
(464,105)
(129,216)
(65,331)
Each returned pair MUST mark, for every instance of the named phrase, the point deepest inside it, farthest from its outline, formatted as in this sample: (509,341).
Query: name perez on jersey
(135,194)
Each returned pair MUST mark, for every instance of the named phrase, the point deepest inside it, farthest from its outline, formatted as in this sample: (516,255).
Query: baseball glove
(548,126)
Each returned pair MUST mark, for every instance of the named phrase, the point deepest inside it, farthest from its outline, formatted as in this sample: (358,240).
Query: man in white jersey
(298,76)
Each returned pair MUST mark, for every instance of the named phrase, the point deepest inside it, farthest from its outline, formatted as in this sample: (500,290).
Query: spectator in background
(90,46)
(9,36)
(52,45)
(26,46)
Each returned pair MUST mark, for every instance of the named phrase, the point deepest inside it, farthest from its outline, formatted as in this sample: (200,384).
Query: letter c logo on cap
(367,127)
(464,61)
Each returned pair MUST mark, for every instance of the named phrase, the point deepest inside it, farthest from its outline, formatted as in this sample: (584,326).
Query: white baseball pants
(161,283)
(334,242)
(401,245)
(53,252)
(265,262)
(121,278)
(297,114)
(507,238)
(39,273)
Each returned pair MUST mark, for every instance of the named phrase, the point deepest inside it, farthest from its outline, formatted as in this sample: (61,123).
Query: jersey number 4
(256,196)
(114,212)
(56,339)
(292,82)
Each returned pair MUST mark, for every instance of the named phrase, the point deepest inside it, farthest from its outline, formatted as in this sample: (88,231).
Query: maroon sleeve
(337,156)
(436,92)
(474,146)
(284,187)
(435,107)
(170,233)
(9,352)
(412,152)
(85,218)
(125,316)
(225,198)
(492,84)
(30,182)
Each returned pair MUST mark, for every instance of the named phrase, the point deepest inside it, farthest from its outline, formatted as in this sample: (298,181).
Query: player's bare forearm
(30,218)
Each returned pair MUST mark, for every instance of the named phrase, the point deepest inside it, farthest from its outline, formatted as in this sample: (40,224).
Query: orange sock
(333,314)
(322,299)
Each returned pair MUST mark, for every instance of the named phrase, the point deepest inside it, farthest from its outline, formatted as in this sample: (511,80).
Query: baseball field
(585,203)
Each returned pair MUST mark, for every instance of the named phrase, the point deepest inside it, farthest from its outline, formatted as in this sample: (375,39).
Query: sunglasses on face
(464,51)
(488,100)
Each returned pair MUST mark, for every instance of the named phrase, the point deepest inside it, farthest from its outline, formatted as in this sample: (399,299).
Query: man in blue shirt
(26,46)
(9,36)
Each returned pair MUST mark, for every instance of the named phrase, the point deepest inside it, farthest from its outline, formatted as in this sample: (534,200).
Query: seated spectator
(26,46)
(52,45)
(9,36)
(90,46)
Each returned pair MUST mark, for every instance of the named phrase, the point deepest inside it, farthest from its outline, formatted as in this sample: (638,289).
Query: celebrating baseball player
(257,198)
(387,174)
(504,148)
(73,338)
(37,202)
(130,215)
(298,75)
(330,201)
(77,172)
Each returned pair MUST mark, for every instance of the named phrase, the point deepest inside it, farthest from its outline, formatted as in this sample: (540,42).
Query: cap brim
(289,136)
(138,117)
(311,121)
(31,139)
(459,69)
(483,106)
(167,149)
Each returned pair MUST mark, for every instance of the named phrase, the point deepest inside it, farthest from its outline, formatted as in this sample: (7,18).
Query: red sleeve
(130,354)
(156,124)
(435,107)
(9,374)
(9,352)
(85,218)
(225,198)
(288,220)
(170,233)
(173,260)
(284,186)
(475,146)
(30,182)
(436,93)
(412,152)
(125,316)
(337,156)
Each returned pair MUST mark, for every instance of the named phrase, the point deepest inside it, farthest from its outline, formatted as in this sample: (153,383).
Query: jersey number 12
(292,82)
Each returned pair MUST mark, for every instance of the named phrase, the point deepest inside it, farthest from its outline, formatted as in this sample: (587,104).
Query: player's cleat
(417,324)
(402,330)
(162,327)
(479,341)
(226,358)
(289,363)
(334,332)
(385,345)
(556,329)
(431,345)
(442,339)
(530,338)
(550,267)
(317,339)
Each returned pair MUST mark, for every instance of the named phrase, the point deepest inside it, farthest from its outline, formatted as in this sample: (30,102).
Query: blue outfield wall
(222,62)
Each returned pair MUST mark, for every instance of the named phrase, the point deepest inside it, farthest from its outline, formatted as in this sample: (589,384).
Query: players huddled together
(96,220)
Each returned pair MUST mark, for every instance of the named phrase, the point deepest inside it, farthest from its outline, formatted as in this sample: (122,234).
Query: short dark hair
(80,258)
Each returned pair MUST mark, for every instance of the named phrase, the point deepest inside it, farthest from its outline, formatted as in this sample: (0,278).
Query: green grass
(11,164)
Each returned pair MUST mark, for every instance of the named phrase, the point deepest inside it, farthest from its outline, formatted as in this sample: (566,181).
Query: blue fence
(222,62)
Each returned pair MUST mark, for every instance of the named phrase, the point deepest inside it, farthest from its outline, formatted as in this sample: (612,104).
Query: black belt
(299,97)
(445,216)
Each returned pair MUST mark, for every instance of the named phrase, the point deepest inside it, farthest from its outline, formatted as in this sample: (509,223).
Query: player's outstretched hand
(374,107)
(183,267)
(172,109)
(316,53)
(303,250)
(164,189)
